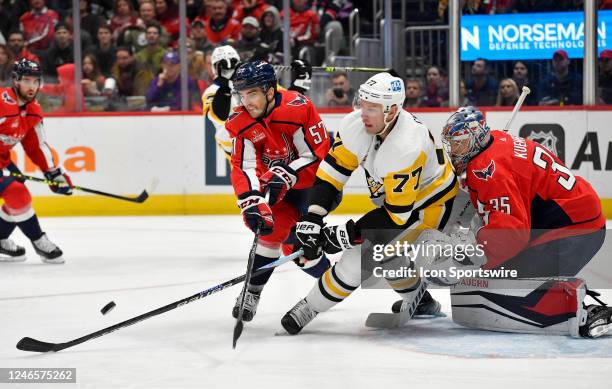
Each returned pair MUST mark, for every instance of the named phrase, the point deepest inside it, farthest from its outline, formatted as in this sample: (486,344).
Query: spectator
(164,93)
(131,78)
(221,27)
(6,66)
(436,93)
(65,88)
(123,18)
(197,63)
(520,75)
(604,95)
(150,57)
(341,93)
(146,11)
(198,34)
(38,26)
(508,93)
(168,17)
(498,6)
(86,39)
(89,21)
(60,52)
(561,87)
(481,88)
(463,100)
(525,6)
(413,93)
(271,34)
(254,8)
(208,68)
(303,26)
(16,44)
(249,38)
(104,51)
(92,79)
(9,16)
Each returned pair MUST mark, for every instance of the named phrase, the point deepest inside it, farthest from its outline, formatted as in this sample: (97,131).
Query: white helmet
(225,58)
(383,88)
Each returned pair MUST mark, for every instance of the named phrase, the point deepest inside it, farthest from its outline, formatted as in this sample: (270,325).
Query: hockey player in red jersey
(533,216)
(278,142)
(21,121)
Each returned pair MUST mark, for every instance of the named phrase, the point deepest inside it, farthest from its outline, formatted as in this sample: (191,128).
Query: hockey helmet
(254,74)
(224,57)
(385,89)
(25,67)
(466,123)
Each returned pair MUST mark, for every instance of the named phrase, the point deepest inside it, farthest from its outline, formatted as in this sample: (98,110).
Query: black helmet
(25,67)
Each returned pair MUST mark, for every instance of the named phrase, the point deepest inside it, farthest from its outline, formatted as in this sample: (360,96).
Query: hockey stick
(525,91)
(239,324)
(334,69)
(138,199)
(30,344)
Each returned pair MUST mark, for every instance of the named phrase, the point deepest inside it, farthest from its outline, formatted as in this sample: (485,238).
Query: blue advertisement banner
(529,36)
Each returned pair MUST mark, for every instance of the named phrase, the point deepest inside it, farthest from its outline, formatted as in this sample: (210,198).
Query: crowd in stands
(130,60)
(129,47)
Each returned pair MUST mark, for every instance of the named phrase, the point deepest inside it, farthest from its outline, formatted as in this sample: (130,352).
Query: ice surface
(142,263)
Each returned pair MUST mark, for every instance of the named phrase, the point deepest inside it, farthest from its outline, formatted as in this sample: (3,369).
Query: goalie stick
(30,344)
(137,199)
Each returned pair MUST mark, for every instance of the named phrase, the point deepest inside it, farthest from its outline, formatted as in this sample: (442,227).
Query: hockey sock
(6,228)
(31,228)
(257,283)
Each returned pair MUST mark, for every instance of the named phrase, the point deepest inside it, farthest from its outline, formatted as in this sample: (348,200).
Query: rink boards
(122,153)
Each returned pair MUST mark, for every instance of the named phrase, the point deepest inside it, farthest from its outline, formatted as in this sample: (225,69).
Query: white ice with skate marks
(143,263)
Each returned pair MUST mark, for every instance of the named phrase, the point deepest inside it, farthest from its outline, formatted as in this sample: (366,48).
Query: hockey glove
(301,76)
(256,213)
(308,232)
(226,67)
(340,238)
(277,181)
(62,184)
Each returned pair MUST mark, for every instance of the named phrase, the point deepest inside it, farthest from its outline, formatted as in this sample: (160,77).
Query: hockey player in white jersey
(217,101)
(410,180)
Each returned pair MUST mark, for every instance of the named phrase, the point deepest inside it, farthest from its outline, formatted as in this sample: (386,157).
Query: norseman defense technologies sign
(529,36)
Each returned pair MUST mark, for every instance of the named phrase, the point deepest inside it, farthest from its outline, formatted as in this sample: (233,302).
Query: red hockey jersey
(527,196)
(292,133)
(22,124)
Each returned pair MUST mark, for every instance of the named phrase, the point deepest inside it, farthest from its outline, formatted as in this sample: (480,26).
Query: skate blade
(55,261)
(600,330)
(8,259)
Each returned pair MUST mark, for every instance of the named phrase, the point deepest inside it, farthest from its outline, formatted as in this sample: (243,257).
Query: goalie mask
(383,89)
(465,135)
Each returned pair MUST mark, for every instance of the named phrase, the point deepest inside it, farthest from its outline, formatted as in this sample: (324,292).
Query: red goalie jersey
(526,197)
(292,133)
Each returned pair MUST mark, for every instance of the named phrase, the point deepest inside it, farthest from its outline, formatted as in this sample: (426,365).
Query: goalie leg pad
(534,305)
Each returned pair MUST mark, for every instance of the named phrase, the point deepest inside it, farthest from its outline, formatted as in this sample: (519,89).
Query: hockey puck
(108,307)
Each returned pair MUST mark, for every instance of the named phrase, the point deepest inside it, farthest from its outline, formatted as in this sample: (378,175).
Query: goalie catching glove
(277,181)
(256,213)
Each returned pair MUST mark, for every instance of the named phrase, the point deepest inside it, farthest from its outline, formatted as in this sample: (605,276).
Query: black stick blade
(29,344)
(142,197)
(237,332)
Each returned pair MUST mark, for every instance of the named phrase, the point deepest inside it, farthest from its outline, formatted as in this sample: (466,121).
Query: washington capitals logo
(299,100)
(486,173)
(8,99)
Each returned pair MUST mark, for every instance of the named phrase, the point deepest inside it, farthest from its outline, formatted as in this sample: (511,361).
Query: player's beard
(23,97)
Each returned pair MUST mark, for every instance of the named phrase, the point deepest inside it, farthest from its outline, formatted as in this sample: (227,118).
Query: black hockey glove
(301,76)
(340,238)
(308,232)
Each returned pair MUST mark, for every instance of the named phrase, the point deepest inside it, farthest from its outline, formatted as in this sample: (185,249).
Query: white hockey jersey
(405,173)
(221,135)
